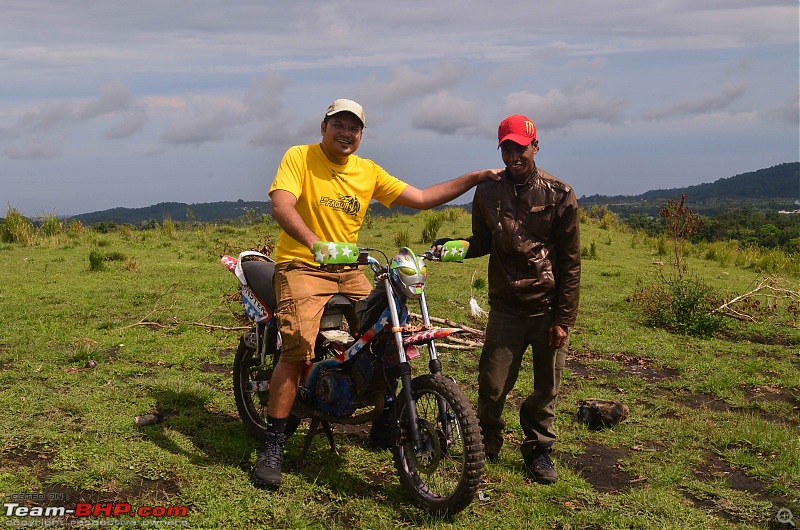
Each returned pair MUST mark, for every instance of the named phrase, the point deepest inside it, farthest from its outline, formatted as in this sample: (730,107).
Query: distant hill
(207,212)
(774,188)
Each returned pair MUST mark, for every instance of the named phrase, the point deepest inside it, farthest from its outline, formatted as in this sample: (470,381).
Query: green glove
(335,253)
(455,250)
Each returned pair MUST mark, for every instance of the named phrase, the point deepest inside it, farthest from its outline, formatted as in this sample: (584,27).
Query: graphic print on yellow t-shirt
(332,199)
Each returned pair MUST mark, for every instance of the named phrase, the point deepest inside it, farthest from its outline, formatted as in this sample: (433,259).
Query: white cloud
(787,113)
(130,124)
(562,108)
(34,148)
(114,97)
(406,83)
(446,114)
(208,123)
(698,105)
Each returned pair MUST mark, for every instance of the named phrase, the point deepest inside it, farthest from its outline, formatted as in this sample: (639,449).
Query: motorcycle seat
(259,277)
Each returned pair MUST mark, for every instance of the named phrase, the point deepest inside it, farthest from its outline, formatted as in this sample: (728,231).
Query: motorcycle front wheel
(442,473)
(251,391)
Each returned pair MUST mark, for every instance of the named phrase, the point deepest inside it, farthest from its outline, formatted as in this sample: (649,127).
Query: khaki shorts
(302,291)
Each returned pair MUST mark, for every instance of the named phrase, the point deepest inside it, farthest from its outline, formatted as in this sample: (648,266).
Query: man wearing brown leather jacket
(528,224)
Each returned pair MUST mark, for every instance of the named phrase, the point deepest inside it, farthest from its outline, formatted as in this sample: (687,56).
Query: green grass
(711,441)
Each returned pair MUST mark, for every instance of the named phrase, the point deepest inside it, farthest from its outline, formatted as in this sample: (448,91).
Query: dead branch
(453,346)
(449,323)
(768,289)
(221,328)
(143,321)
(146,323)
(471,343)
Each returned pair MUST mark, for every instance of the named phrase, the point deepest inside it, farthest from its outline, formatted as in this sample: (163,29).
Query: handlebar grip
(335,253)
(454,250)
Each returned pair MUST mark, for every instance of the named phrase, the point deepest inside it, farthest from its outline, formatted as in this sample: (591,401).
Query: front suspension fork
(435,367)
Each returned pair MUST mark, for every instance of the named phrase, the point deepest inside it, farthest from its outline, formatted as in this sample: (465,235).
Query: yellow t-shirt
(331,199)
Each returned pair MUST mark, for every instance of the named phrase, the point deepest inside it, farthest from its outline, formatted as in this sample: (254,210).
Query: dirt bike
(361,354)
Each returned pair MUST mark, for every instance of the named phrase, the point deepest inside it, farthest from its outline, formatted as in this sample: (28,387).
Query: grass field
(86,345)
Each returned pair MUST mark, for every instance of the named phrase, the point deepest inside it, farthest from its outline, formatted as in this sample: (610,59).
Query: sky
(129,104)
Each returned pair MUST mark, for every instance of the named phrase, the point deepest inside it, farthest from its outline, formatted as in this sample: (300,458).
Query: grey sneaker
(540,467)
(267,471)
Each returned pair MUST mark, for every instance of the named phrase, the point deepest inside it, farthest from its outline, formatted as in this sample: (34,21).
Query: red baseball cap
(516,128)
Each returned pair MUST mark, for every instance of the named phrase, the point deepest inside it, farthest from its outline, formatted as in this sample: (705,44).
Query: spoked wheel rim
(443,473)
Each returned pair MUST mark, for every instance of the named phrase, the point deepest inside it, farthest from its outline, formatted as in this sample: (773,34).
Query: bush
(168,227)
(96,261)
(17,228)
(433,222)
(402,239)
(683,304)
(589,252)
(51,226)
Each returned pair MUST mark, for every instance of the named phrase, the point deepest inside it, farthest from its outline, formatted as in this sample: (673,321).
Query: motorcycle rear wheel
(252,404)
(443,475)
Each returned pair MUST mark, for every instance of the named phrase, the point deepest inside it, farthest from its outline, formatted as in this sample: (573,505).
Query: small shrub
(168,227)
(433,222)
(453,214)
(589,252)
(51,226)
(402,239)
(609,220)
(479,283)
(637,239)
(17,228)
(661,245)
(75,227)
(96,261)
(683,304)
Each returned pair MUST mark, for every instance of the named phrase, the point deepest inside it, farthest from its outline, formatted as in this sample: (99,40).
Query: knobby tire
(443,476)
(252,406)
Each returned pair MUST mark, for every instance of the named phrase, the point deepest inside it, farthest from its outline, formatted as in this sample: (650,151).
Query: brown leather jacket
(531,233)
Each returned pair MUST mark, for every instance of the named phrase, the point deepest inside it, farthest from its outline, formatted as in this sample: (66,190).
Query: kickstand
(312,431)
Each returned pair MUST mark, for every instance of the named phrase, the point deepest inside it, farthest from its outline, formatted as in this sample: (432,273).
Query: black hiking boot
(267,471)
(540,466)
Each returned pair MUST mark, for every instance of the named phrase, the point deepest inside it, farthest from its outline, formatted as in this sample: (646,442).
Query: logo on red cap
(516,128)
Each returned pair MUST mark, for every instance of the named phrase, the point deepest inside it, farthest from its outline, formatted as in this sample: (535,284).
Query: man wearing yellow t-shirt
(321,193)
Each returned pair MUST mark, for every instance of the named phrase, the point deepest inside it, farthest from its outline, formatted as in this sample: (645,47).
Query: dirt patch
(601,467)
(756,395)
(771,340)
(715,467)
(215,368)
(37,458)
(769,393)
(705,402)
(582,364)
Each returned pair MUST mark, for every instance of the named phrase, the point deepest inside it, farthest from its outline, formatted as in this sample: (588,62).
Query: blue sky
(127,104)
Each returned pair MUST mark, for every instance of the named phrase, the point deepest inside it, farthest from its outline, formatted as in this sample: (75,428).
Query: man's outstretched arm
(443,192)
